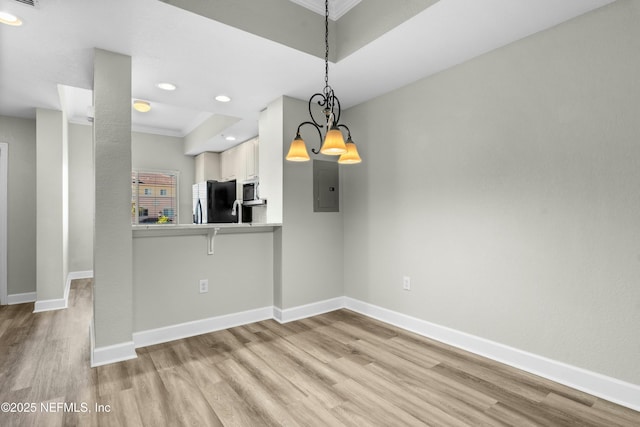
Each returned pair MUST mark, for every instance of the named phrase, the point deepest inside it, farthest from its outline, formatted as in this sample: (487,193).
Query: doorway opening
(4,176)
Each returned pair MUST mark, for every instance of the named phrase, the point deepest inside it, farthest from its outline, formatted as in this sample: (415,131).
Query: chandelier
(334,144)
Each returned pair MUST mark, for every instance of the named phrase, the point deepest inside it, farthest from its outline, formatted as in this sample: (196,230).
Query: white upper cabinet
(251,148)
(228,164)
(240,162)
(207,166)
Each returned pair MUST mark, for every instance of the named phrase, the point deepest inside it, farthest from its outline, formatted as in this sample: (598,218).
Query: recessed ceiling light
(142,106)
(166,86)
(223,98)
(230,138)
(9,19)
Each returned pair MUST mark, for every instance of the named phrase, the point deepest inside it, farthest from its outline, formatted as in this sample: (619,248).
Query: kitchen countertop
(154,230)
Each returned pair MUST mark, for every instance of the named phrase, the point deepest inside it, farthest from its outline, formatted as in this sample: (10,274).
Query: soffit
(205,57)
(337,8)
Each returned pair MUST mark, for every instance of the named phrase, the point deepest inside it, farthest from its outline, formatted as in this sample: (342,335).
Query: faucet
(234,209)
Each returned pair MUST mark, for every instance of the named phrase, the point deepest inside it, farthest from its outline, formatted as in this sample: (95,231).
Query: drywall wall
(370,19)
(81,198)
(20,134)
(506,188)
(112,284)
(270,159)
(290,24)
(270,155)
(52,202)
(167,273)
(206,131)
(149,152)
(311,242)
(279,20)
(165,153)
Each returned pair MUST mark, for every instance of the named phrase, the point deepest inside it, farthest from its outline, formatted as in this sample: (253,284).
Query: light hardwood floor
(330,370)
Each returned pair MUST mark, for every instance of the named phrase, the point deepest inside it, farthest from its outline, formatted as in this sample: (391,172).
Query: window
(149,209)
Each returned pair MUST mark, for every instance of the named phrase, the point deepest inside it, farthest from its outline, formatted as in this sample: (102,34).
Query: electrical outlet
(204,286)
(406,283)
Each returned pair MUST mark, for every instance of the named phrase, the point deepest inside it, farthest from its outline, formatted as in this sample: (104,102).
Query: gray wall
(20,134)
(167,273)
(158,152)
(52,191)
(113,247)
(507,189)
(279,20)
(81,198)
(370,19)
(311,243)
(290,24)
(149,152)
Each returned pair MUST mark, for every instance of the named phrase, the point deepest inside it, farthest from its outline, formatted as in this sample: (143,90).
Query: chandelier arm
(317,127)
(322,102)
(348,130)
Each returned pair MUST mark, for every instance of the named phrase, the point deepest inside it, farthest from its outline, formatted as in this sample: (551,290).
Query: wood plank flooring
(330,370)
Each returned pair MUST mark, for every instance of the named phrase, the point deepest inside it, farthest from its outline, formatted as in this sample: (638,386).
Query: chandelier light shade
(351,156)
(298,150)
(333,143)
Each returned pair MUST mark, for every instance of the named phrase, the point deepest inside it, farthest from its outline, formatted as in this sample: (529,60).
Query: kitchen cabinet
(240,162)
(251,148)
(228,164)
(207,166)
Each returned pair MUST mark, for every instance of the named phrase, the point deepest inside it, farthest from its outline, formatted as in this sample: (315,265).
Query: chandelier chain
(326,44)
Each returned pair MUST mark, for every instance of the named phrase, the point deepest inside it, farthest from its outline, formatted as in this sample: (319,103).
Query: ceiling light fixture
(334,144)
(142,106)
(223,98)
(230,138)
(9,19)
(166,86)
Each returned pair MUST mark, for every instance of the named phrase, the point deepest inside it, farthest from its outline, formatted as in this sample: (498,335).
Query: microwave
(250,192)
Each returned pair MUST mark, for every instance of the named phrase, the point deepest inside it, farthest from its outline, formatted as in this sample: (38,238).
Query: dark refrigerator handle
(198,213)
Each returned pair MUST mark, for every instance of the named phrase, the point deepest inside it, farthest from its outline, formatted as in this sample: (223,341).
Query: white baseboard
(62,303)
(308,310)
(111,353)
(199,327)
(21,298)
(50,305)
(611,389)
(88,274)
(54,304)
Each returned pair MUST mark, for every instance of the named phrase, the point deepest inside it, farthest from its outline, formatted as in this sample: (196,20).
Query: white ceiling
(205,58)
